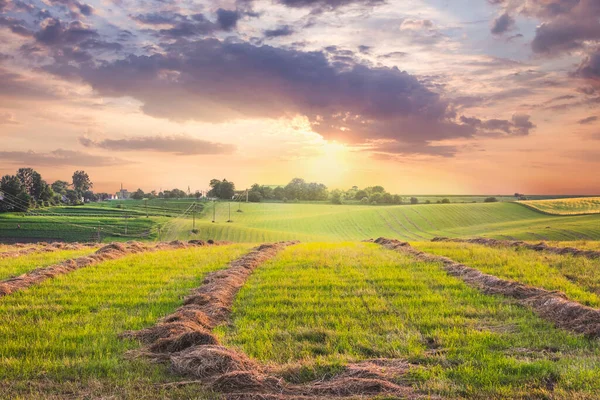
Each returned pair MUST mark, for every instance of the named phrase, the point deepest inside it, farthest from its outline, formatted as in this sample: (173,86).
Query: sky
(419,96)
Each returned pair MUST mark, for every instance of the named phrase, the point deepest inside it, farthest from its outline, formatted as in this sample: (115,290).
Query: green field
(574,206)
(260,222)
(61,336)
(16,266)
(318,306)
(577,277)
(326,222)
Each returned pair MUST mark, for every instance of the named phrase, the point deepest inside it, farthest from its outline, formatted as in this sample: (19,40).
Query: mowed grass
(62,335)
(577,277)
(327,222)
(318,306)
(13,266)
(76,228)
(575,206)
(578,244)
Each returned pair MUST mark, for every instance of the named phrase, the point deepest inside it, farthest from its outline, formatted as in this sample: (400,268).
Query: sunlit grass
(66,329)
(574,206)
(13,266)
(322,305)
(577,277)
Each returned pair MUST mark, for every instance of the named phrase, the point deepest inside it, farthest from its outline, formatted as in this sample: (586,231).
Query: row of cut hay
(543,247)
(44,247)
(550,305)
(109,252)
(184,339)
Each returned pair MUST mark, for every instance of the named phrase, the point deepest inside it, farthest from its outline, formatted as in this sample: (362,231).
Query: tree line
(26,189)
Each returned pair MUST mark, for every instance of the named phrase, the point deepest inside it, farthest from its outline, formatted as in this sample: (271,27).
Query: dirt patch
(184,339)
(543,247)
(550,305)
(109,252)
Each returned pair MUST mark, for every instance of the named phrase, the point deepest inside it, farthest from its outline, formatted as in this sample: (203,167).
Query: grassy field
(327,222)
(575,206)
(577,277)
(260,222)
(318,306)
(18,265)
(60,337)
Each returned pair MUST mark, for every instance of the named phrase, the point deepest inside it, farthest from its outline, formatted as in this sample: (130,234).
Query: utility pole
(146,204)
(194,218)
(214,209)
(229,220)
(246,195)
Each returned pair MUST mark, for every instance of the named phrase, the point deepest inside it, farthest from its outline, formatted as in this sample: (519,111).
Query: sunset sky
(420,96)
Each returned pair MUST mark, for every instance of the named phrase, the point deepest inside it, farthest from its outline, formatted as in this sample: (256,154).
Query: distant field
(575,206)
(61,337)
(261,222)
(319,306)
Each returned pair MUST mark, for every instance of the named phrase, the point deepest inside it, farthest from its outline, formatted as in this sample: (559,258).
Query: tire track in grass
(184,339)
(401,234)
(550,305)
(426,219)
(108,252)
(417,227)
(412,233)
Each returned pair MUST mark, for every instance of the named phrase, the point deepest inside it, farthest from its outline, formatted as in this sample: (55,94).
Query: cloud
(587,120)
(519,125)
(16,26)
(328,4)
(53,32)
(502,24)
(77,8)
(284,30)
(217,81)
(58,158)
(180,145)
(7,118)
(227,19)
(590,67)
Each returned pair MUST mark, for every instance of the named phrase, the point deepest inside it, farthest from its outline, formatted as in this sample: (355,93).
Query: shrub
(491,200)
(445,201)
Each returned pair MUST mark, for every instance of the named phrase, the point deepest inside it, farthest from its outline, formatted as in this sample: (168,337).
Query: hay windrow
(185,340)
(542,247)
(550,305)
(43,247)
(111,251)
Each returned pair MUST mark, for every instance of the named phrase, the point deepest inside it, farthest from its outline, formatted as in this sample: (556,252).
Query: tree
(490,200)
(34,185)
(60,187)
(414,200)
(221,189)
(138,195)
(15,198)
(278,193)
(337,196)
(81,182)
(73,197)
(445,201)
(295,189)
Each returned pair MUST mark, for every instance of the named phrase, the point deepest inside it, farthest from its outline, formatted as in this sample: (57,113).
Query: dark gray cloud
(590,67)
(17,26)
(180,145)
(58,158)
(327,4)
(502,24)
(284,30)
(53,32)
(228,19)
(587,120)
(519,125)
(77,8)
